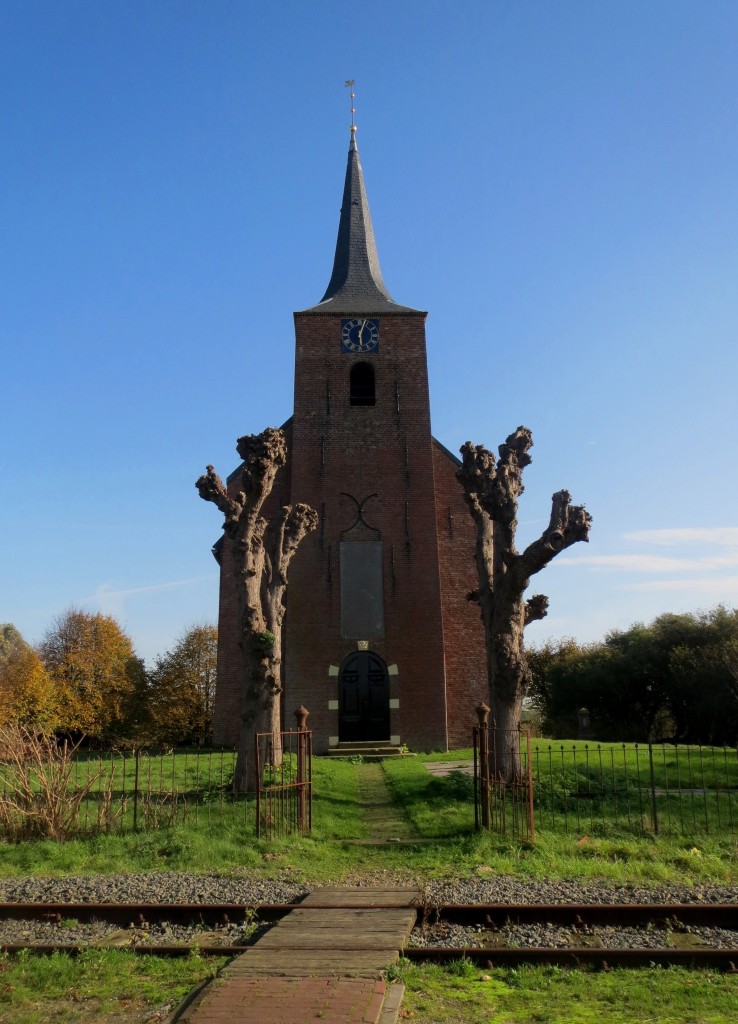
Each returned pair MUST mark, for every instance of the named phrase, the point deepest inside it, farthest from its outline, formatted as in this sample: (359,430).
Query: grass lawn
(462,994)
(118,987)
(439,809)
(98,987)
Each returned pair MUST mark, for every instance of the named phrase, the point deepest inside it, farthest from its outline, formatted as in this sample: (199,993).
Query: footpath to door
(385,822)
(316,964)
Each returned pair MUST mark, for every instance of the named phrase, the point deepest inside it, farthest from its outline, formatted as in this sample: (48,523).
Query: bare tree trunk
(263,551)
(492,490)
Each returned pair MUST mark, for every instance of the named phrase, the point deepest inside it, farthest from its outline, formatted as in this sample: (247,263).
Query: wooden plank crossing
(317,963)
(362,897)
(341,930)
(360,941)
(309,964)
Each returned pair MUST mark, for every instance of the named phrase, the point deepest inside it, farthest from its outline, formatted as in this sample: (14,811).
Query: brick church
(380,642)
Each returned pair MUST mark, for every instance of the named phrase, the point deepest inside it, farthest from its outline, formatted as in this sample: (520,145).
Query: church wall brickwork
(375,476)
(360,451)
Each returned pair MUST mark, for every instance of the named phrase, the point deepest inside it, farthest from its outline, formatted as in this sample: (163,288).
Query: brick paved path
(295,1001)
(316,965)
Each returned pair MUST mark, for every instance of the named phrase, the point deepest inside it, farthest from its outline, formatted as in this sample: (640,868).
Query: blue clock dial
(360,335)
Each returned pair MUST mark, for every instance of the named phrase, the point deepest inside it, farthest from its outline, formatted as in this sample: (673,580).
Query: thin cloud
(724,536)
(104,591)
(724,586)
(653,563)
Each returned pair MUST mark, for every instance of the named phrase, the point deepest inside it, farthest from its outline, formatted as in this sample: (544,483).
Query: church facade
(380,642)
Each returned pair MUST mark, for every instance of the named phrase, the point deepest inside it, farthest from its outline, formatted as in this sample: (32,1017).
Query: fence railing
(661,788)
(503,784)
(284,799)
(54,789)
(123,791)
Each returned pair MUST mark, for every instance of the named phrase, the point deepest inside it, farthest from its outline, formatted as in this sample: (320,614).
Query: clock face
(360,335)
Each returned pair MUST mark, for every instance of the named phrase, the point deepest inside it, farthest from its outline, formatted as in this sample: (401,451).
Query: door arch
(363,698)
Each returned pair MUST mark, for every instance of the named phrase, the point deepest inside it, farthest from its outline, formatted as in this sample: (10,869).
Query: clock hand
(361,332)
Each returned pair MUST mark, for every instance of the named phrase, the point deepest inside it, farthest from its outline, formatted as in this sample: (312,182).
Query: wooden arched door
(363,699)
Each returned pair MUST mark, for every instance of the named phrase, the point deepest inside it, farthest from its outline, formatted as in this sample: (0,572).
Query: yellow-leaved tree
(25,688)
(98,681)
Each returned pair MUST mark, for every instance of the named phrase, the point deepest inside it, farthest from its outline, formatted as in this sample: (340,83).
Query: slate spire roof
(356,284)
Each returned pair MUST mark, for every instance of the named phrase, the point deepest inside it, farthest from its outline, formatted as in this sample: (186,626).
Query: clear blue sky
(557,183)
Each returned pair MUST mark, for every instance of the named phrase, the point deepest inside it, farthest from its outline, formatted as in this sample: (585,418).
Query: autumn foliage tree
(492,488)
(182,688)
(262,551)
(25,688)
(96,677)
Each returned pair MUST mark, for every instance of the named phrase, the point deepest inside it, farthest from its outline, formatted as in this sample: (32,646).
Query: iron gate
(503,779)
(284,767)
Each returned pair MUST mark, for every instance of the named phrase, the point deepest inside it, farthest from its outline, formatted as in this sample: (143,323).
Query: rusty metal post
(483,716)
(137,753)
(531,810)
(259,784)
(301,715)
(654,812)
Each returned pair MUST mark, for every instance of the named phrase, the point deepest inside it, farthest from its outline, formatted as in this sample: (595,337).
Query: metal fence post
(259,784)
(483,716)
(301,715)
(137,753)
(529,783)
(654,814)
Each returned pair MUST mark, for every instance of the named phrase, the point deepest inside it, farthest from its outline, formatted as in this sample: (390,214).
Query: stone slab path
(316,963)
(442,768)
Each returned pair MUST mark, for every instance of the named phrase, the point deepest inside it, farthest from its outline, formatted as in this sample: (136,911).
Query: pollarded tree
(262,552)
(492,489)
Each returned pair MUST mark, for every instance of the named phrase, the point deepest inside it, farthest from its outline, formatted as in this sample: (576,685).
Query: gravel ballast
(154,887)
(181,887)
(550,936)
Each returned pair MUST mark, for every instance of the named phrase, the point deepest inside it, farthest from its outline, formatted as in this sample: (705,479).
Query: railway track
(487,930)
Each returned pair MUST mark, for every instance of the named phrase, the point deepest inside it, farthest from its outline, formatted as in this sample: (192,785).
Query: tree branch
(536,607)
(211,488)
(263,456)
(568,525)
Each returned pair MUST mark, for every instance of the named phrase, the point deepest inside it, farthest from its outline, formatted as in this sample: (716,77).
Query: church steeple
(356,284)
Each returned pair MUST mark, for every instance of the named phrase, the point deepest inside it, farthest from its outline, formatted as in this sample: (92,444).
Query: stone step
(366,749)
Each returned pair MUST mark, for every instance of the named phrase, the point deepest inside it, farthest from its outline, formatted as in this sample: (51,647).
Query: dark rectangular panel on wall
(362,590)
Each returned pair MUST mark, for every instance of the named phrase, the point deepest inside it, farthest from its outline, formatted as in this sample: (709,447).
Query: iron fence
(661,788)
(284,798)
(589,788)
(119,791)
(51,788)
(503,784)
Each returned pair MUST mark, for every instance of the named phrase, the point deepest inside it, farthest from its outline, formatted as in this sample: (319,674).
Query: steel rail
(490,914)
(138,914)
(725,959)
(603,959)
